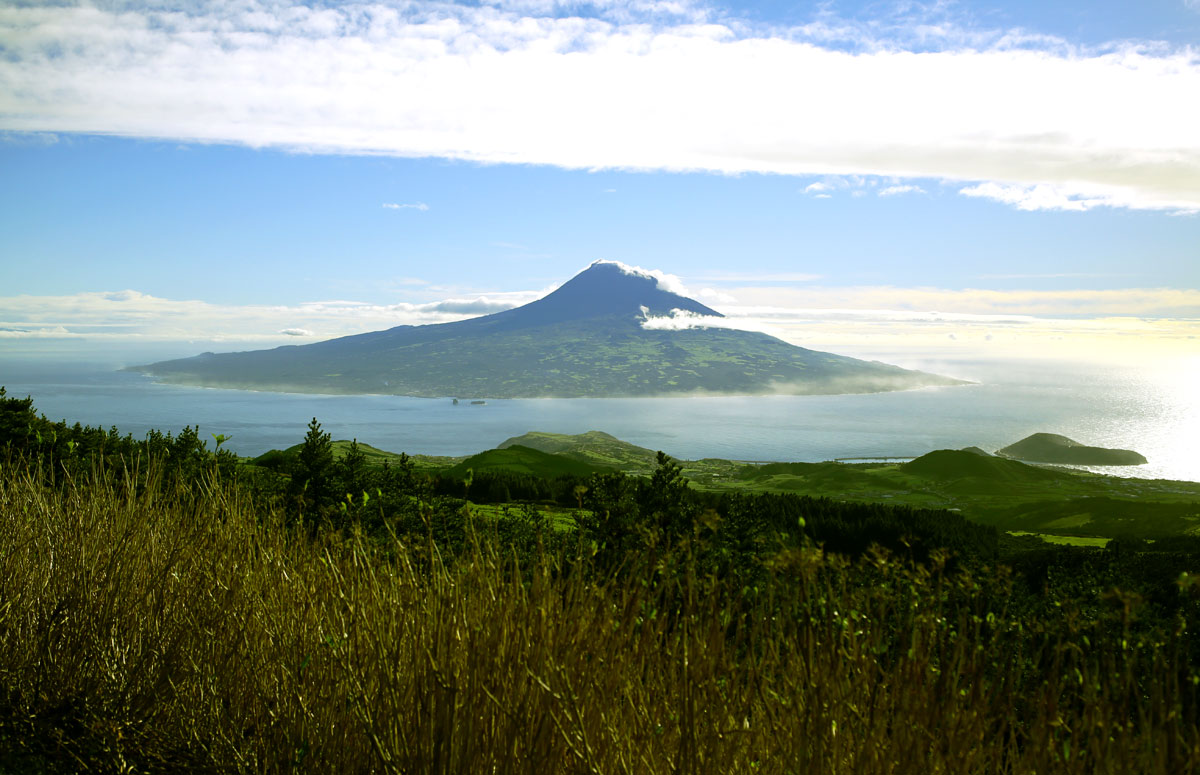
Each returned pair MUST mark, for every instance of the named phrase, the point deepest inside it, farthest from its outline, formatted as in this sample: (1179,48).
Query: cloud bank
(973,324)
(867,321)
(1030,122)
(135,316)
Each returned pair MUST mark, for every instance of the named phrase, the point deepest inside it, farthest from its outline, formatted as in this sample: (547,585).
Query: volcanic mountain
(594,336)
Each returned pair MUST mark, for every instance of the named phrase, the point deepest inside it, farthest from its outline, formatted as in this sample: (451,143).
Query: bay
(1154,412)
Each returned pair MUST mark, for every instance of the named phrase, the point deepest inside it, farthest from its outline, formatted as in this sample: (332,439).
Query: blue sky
(1095,23)
(861,176)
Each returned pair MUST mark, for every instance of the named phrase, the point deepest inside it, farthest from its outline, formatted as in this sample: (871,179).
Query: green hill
(950,464)
(593,447)
(524,460)
(1053,448)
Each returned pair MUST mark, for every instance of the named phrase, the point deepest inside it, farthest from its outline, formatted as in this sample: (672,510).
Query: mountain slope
(584,339)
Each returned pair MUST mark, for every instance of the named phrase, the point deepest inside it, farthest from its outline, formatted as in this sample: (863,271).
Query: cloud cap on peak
(665,282)
(606,288)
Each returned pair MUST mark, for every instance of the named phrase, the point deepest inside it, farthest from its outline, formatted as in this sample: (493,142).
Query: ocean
(1156,413)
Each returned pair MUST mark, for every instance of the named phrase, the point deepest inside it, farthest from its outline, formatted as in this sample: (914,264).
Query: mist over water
(1155,412)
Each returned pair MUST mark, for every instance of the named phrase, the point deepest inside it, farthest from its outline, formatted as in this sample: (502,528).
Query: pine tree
(353,470)
(313,471)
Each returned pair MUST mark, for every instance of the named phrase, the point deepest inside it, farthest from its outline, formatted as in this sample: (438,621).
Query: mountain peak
(607,288)
(585,339)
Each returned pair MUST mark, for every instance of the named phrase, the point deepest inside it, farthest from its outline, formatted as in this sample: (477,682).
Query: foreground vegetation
(162,611)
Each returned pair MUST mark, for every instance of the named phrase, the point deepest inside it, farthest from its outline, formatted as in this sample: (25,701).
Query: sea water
(1155,413)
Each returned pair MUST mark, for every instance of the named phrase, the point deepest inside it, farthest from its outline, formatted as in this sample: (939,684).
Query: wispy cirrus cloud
(861,185)
(901,189)
(410,206)
(1066,197)
(636,85)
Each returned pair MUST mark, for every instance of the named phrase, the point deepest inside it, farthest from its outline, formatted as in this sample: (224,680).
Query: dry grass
(143,630)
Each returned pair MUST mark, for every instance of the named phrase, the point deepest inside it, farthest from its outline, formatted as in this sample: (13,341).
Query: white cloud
(126,295)
(666,282)
(713,296)
(33,139)
(867,321)
(1045,196)
(1017,118)
(680,320)
(901,189)
(861,185)
(483,305)
(414,206)
(130,315)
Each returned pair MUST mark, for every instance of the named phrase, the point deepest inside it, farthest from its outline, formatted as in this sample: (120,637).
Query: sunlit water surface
(1155,412)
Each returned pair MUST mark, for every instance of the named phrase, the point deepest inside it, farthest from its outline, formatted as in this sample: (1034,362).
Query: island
(611,331)
(1053,448)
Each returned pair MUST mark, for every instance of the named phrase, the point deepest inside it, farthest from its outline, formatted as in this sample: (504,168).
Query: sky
(869,178)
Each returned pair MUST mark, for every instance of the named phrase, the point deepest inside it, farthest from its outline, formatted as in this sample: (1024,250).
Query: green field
(1098,543)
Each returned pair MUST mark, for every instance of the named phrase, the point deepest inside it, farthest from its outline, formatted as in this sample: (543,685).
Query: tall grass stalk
(153,628)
